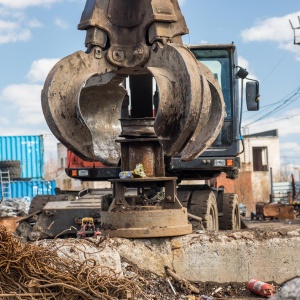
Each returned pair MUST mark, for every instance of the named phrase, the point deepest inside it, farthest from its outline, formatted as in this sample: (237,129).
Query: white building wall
(63,181)
(273,153)
(261,180)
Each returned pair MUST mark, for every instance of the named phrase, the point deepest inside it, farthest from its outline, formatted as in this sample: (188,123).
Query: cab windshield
(218,61)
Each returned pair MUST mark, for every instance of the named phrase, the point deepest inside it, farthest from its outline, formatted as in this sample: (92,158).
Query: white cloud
(7,25)
(25,101)
(21,106)
(291,146)
(244,63)
(50,143)
(289,151)
(13,29)
(286,124)
(14,35)
(34,23)
(61,23)
(14,25)
(292,48)
(23,114)
(21,4)
(182,2)
(4,121)
(40,69)
(275,29)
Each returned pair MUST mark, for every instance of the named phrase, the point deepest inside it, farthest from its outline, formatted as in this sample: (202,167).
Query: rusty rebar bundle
(28,271)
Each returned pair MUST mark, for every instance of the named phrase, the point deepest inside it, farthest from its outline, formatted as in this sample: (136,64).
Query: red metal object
(73,161)
(88,229)
(260,288)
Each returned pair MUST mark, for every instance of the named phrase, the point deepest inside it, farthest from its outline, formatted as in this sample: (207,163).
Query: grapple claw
(212,112)
(82,96)
(191,106)
(176,72)
(74,108)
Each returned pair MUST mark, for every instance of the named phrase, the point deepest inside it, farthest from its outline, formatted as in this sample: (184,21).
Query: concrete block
(268,255)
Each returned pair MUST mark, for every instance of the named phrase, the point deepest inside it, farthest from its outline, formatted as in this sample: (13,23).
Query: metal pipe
(272,187)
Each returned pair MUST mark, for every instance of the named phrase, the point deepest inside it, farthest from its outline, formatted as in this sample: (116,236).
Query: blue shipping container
(20,189)
(29,150)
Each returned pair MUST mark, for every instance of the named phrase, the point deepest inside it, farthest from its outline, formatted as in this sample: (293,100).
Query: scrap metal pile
(14,207)
(33,272)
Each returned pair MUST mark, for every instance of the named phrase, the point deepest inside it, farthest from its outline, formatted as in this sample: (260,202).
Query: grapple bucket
(81,102)
(84,97)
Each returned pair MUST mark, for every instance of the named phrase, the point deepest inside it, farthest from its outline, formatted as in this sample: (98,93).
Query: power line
(282,104)
(277,64)
(287,118)
(265,107)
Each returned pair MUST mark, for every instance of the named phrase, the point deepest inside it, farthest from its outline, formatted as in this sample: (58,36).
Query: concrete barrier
(265,254)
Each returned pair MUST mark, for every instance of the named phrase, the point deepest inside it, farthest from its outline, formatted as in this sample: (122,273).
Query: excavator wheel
(204,205)
(231,219)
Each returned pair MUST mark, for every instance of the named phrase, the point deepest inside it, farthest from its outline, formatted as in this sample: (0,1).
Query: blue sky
(34,34)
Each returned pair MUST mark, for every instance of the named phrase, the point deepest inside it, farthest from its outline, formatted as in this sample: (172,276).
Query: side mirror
(252,95)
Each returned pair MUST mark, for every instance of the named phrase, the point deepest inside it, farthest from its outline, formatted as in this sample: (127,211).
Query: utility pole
(296,32)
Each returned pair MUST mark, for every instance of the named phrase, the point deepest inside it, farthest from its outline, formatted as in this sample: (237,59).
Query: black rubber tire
(231,219)
(10,164)
(14,172)
(204,205)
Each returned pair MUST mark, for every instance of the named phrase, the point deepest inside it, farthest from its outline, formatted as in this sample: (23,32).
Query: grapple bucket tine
(61,100)
(211,118)
(100,108)
(177,75)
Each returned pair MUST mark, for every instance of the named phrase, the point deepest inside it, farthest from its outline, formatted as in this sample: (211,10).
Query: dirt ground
(269,223)
(159,288)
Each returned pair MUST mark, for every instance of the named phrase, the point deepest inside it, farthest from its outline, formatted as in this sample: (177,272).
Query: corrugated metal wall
(29,150)
(20,189)
(281,190)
